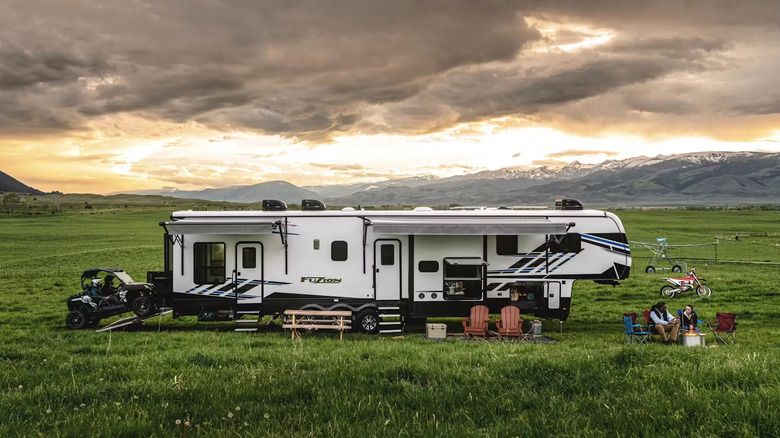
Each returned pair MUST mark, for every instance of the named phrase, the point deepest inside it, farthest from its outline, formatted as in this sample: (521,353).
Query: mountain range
(10,184)
(706,178)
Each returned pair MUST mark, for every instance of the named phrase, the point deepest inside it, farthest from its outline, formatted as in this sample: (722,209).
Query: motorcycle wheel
(668,291)
(704,290)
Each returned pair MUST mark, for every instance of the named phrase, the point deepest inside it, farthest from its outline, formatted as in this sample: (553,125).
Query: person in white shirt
(664,322)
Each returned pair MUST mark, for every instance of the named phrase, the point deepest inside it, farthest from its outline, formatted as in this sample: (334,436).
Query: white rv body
(419,263)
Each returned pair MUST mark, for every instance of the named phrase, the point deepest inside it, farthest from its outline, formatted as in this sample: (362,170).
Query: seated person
(664,322)
(96,288)
(104,292)
(689,319)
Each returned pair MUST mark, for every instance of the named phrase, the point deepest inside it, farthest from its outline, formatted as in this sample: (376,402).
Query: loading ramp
(130,320)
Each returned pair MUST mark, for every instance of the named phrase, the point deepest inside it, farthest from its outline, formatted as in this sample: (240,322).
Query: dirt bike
(685,284)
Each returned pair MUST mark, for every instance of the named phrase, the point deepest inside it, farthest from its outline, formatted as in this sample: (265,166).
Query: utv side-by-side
(107,292)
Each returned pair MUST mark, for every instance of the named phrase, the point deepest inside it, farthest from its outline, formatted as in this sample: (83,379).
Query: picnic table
(296,320)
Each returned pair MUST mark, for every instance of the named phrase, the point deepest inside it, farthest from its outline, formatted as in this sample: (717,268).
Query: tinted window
(338,251)
(506,245)
(571,242)
(428,266)
(387,255)
(249,258)
(209,263)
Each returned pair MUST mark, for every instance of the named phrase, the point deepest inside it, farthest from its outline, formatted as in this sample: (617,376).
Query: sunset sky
(105,96)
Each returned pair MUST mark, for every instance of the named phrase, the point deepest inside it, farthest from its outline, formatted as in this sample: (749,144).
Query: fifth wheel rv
(386,266)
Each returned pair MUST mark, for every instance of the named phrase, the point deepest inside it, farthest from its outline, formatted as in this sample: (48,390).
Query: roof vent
(419,209)
(312,204)
(568,204)
(347,209)
(274,205)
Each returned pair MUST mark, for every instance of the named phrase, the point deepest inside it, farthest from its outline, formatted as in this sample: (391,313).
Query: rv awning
(467,226)
(468,261)
(190,226)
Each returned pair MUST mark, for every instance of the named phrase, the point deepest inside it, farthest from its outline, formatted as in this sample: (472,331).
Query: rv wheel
(367,321)
(76,320)
(650,270)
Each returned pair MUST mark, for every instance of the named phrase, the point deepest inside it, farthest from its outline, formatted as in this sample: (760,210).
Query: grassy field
(201,379)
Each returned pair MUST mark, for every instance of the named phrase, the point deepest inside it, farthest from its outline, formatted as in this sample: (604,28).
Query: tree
(10,200)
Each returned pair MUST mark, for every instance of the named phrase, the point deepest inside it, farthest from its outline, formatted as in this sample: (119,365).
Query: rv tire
(367,321)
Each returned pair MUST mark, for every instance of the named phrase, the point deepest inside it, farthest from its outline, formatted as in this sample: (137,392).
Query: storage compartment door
(553,295)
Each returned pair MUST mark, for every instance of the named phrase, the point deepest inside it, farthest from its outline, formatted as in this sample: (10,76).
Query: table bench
(317,320)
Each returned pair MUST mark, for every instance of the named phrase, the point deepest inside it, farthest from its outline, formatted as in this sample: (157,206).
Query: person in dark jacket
(689,319)
(664,322)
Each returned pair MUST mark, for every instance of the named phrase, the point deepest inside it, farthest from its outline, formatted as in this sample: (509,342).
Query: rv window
(462,271)
(338,251)
(506,245)
(249,258)
(428,266)
(209,263)
(571,242)
(387,253)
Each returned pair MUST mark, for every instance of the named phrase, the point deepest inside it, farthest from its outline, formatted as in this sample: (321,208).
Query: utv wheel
(144,306)
(704,290)
(368,322)
(668,291)
(650,270)
(76,320)
(677,268)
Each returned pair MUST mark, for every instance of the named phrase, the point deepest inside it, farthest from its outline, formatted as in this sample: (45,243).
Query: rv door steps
(244,317)
(124,322)
(390,320)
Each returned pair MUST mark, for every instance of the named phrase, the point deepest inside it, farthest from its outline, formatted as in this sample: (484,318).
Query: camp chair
(726,329)
(636,325)
(477,323)
(510,324)
(649,322)
(632,334)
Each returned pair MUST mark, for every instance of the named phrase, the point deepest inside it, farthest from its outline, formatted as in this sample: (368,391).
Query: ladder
(390,320)
(247,320)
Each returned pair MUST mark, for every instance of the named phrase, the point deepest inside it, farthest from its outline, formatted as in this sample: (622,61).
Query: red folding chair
(725,330)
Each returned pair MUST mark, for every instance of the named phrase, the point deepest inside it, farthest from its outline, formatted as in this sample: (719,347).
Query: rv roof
(386,213)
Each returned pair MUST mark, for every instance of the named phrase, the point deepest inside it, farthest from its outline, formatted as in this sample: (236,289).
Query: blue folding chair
(633,334)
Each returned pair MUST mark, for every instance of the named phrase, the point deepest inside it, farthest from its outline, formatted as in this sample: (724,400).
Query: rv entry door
(249,273)
(553,295)
(387,269)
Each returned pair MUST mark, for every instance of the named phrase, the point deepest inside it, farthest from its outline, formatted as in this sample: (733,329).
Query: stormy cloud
(312,70)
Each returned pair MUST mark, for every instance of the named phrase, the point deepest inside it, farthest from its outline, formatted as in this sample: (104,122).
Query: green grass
(56,382)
